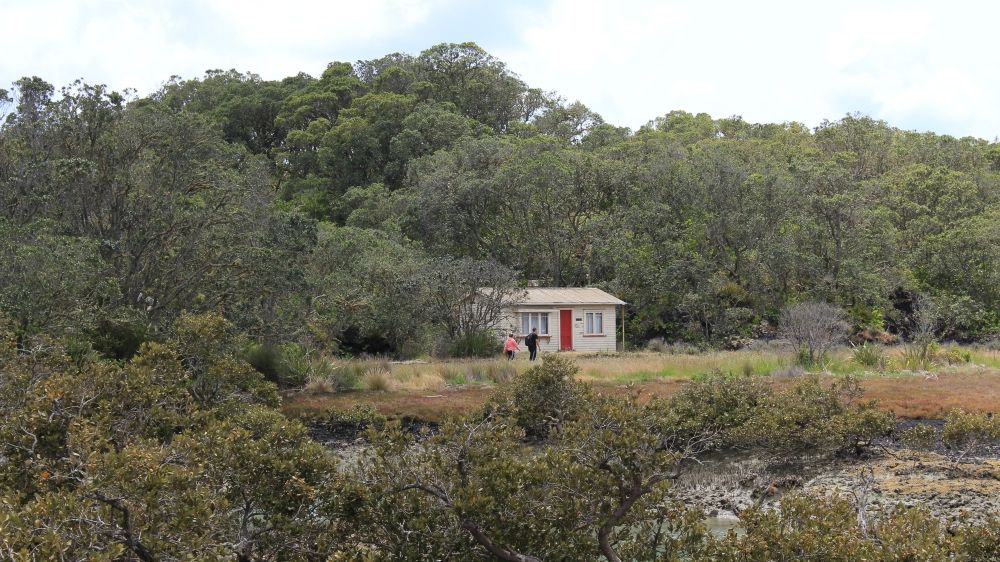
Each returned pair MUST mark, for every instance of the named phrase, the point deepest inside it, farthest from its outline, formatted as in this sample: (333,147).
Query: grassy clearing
(433,391)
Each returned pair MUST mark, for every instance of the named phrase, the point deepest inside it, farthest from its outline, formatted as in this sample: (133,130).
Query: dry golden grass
(434,407)
(436,390)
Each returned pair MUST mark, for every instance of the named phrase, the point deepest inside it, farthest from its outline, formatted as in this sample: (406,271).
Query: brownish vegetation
(909,396)
(930,396)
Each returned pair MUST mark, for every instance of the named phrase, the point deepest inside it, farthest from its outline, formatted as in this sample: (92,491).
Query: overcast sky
(919,65)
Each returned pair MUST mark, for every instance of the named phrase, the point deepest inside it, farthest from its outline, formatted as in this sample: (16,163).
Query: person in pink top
(510,346)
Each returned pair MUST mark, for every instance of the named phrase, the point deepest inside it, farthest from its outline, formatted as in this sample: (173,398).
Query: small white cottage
(567,318)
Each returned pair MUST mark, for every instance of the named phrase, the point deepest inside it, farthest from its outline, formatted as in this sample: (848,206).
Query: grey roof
(567,295)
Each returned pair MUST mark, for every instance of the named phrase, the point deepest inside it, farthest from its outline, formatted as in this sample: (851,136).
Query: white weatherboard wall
(581,341)
(594,343)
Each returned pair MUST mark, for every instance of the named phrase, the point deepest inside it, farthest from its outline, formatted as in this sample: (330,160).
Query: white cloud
(141,43)
(916,64)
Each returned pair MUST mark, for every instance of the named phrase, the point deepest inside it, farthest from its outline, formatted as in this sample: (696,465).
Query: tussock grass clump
(501,372)
(378,380)
(419,382)
(872,356)
(326,376)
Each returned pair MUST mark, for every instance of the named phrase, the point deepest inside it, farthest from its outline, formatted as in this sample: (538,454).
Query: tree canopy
(303,209)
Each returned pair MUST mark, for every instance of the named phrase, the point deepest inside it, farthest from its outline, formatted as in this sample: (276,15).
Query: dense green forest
(339,212)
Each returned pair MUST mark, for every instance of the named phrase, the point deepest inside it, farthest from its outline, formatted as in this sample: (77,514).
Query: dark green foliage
(481,343)
(365,211)
(717,408)
(203,197)
(965,432)
(828,529)
(542,399)
(286,366)
(813,416)
(119,338)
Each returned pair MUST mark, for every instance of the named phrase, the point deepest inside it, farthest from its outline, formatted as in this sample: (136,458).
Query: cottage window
(594,324)
(539,320)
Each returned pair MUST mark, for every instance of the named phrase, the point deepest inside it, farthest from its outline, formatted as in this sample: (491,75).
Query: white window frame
(526,324)
(588,322)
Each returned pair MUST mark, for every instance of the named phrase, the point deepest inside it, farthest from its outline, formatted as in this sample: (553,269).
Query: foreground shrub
(543,398)
(966,432)
(812,416)
(827,528)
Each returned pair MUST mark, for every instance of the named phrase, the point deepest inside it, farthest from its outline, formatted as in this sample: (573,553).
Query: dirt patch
(431,407)
(922,396)
(948,489)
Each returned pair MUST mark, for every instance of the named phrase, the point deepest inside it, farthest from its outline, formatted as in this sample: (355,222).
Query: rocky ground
(725,484)
(967,490)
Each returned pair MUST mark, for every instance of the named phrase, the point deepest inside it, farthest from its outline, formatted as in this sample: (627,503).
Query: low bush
(812,416)
(920,436)
(916,358)
(872,356)
(476,344)
(377,379)
(966,432)
(287,365)
(543,398)
(359,417)
(117,338)
(808,527)
(716,405)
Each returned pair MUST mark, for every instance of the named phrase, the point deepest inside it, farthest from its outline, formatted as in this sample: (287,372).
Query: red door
(565,330)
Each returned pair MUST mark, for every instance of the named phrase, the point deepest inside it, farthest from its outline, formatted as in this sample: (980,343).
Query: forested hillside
(340,212)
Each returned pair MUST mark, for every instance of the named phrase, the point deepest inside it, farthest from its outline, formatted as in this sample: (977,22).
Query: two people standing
(510,347)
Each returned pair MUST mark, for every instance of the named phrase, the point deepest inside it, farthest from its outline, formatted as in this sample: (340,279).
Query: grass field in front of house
(436,389)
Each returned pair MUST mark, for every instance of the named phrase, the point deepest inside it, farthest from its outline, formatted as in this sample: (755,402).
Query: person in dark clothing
(532,342)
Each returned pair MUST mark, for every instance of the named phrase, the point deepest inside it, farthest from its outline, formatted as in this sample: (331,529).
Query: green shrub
(965,432)
(980,542)
(951,355)
(359,417)
(543,398)
(916,358)
(717,405)
(920,436)
(80,351)
(118,339)
(476,344)
(811,416)
(287,365)
(872,356)
(808,527)
(327,376)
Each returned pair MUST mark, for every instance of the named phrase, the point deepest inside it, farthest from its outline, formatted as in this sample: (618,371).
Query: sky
(919,65)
